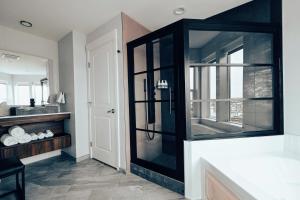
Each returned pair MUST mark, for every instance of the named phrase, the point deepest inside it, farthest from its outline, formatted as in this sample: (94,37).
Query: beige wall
(131,30)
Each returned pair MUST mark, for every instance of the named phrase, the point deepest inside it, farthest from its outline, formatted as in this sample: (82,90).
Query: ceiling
(53,19)
(25,65)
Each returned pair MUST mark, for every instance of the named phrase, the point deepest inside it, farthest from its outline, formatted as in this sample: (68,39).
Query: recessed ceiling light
(179,11)
(26,23)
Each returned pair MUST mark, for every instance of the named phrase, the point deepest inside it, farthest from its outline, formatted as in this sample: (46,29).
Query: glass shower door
(154,137)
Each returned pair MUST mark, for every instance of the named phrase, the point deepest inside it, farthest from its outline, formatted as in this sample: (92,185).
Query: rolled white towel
(8,140)
(34,136)
(41,135)
(24,139)
(49,134)
(16,131)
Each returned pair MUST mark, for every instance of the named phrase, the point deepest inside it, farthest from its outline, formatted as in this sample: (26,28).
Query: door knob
(111,111)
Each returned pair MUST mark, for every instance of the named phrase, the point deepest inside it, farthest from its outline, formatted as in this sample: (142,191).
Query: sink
(34,110)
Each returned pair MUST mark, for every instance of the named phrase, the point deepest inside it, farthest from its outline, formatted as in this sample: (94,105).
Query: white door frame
(120,101)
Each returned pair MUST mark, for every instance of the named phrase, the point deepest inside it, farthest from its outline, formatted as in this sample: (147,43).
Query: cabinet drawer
(215,190)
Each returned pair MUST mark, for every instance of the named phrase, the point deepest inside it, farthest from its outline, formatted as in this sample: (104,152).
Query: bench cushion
(10,166)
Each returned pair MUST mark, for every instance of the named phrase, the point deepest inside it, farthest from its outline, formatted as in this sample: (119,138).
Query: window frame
(275,63)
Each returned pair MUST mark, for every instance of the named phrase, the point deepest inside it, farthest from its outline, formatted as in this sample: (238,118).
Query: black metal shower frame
(180,31)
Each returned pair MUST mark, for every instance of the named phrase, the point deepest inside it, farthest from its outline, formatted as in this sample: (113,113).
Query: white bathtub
(271,176)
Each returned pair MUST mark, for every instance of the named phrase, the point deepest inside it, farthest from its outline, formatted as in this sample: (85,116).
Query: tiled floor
(60,178)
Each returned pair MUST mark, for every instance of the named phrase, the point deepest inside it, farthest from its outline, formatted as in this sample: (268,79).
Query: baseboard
(40,157)
(82,158)
(123,171)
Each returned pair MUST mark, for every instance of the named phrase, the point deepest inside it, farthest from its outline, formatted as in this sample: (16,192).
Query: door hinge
(91,144)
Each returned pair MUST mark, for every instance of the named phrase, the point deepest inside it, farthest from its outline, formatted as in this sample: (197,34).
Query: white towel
(34,136)
(41,135)
(61,98)
(16,131)
(49,134)
(8,140)
(24,139)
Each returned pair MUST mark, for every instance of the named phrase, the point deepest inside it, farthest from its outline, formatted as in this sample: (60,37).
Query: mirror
(24,79)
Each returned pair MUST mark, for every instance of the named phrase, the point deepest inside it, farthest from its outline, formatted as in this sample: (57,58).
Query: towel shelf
(33,148)
(36,123)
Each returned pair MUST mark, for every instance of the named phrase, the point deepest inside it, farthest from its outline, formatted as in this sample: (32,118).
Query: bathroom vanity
(36,123)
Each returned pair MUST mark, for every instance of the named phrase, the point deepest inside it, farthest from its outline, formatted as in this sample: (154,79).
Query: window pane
(37,94)
(236,74)
(236,95)
(3,92)
(236,87)
(212,91)
(22,95)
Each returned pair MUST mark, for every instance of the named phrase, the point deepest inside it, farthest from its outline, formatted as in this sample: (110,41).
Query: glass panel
(22,94)
(140,87)
(163,52)
(248,115)
(258,115)
(236,86)
(156,148)
(163,85)
(163,120)
(258,82)
(212,91)
(3,92)
(231,82)
(140,58)
(257,47)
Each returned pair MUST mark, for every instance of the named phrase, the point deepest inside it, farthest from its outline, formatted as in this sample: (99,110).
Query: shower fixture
(162,84)
(150,136)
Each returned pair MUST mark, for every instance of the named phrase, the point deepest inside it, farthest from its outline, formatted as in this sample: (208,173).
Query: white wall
(81,98)
(66,79)
(116,24)
(73,81)
(20,42)
(291,68)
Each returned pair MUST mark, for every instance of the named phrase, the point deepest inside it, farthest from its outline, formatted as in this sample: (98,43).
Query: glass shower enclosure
(194,80)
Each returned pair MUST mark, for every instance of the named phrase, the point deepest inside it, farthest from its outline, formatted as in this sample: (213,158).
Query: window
(3,92)
(25,91)
(212,91)
(22,94)
(236,86)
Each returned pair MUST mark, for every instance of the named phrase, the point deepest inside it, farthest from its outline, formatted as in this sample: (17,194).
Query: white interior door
(103,90)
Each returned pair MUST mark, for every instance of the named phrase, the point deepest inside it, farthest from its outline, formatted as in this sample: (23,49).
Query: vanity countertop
(35,115)
(36,118)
